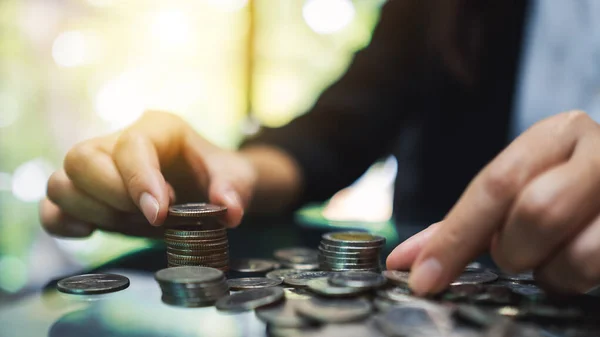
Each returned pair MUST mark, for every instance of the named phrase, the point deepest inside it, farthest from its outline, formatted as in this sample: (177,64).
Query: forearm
(279,178)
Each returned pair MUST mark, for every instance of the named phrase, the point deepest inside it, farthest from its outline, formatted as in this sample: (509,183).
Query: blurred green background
(75,69)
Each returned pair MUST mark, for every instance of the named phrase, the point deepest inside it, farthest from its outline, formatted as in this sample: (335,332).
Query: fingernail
(231,197)
(150,207)
(425,276)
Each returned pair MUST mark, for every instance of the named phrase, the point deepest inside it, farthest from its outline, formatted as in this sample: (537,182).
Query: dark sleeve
(356,120)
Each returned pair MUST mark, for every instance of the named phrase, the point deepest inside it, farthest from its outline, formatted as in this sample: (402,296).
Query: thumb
(222,192)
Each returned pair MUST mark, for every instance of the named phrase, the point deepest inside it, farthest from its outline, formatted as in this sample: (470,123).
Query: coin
(526,277)
(300,279)
(199,258)
(280,274)
(198,252)
(354,239)
(92,284)
(196,210)
(252,265)
(382,304)
(192,232)
(297,255)
(328,248)
(414,319)
(397,294)
(335,310)
(250,299)
(357,279)
(191,286)
(300,266)
(322,286)
(475,277)
(397,276)
(251,283)
(283,315)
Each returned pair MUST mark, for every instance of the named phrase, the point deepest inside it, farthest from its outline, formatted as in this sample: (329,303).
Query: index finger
(469,227)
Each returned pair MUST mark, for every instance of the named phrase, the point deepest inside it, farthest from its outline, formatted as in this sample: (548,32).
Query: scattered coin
(357,279)
(93,284)
(475,277)
(297,255)
(252,265)
(300,279)
(415,320)
(196,210)
(335,310)
(283,315)
(191,286)
(297,293)
(251,283)
(397,276)
(322,286)
(282,273)
(397,294)
(526,277)
(250,299)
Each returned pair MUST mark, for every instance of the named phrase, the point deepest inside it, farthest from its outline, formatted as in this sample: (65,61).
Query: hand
(107,181)
(536,206)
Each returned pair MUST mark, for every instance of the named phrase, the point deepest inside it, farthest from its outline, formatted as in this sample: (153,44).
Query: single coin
(188,304)
(251,283)
(283,315)
(357,253)
(250,299)
(193,232)
(199,258)
(353,239)
(189,274)
(301,266)
(522,277)
(415,319)
(92,284)
(196,210)
(280,274)
(348,266)
(297,293)
(197,252)
(297,255)
(197,245)
(252,265)
(397,294)
(215,265)
(328,248)
(322,286)
(475,277)
(338,269)
(349,260)
(382,304)
(357,279)
(300,279)
(397,276)
(495,294)
(339,310)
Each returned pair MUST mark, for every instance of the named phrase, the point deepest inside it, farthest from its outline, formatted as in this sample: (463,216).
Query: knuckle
(58,186)
(77,157)
(501,180)
(543,212)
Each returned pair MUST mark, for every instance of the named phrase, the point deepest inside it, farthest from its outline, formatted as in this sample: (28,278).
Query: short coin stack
(195,237)
(191,286)
(342,251)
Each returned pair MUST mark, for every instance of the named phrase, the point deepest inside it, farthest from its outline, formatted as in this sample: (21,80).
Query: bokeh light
(5,181)
(120,102)
(229,5)
(69,49)
(9,109)
(328,16)
(13,273)
(30,179)
(171,28)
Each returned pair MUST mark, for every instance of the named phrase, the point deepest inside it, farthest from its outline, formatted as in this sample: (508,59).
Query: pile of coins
(341,251)
(195,237)
(192,286)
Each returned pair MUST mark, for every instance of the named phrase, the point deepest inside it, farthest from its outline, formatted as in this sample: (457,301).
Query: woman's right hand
(110,182)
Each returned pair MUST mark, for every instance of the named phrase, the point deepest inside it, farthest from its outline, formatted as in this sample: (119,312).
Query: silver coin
(353,239)
(328,248)
(196,210)
(335,310)
(277,331)
(252,265)
(252,283)
(322,286)
(283,315)
(250,299)
(351,260)
(300,279)
(397,294)
(92,284)
(280,274)
(363,253)
(347,266)
(414,320)
(521,277)
(397,276)
(357,279)
(189,274)
(340,269)
(301,266)
(297,293)
(297,255)
(382,304)
(475,277)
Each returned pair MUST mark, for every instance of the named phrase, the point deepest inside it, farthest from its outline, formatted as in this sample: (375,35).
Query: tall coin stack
(195,237)
(191,286)
(341,251)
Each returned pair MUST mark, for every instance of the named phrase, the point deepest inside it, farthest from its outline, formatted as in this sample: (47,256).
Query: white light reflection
(229,5)
(29,180)
(9,109)
(69,49)
(171,28)
(5,181)
(328,16)
(119,101)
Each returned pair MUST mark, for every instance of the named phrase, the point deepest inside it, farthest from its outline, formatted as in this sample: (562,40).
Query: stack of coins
(195,237)
(191,286)
(341,251)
